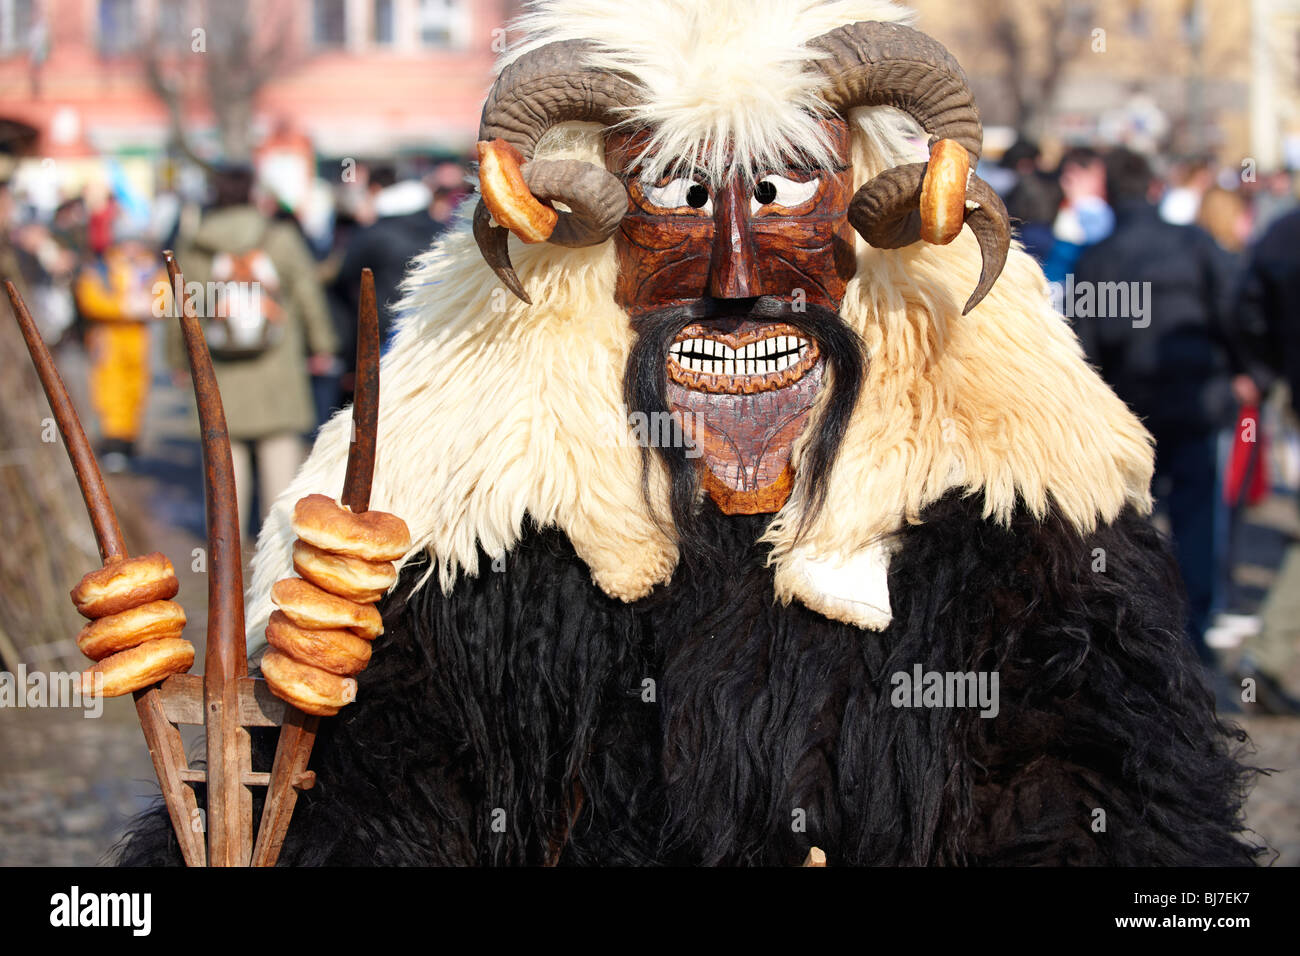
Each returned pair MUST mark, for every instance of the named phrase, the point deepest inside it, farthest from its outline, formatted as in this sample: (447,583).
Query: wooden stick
(298,733)
(365,406)
(91,482)
(230,801)
(815,858)
(164,740)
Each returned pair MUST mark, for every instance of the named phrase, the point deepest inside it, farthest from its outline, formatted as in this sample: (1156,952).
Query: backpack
(246,318)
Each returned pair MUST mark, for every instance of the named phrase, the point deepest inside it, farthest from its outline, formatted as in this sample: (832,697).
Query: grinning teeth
(769,356)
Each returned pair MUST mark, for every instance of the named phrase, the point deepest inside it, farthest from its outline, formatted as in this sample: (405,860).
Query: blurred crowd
(1182,281)
(279,301)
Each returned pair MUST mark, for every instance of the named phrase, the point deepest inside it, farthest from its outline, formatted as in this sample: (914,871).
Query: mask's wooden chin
(744,441)
(758,501)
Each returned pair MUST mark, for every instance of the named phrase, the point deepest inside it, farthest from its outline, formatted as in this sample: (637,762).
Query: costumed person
(116,294)
(754,503)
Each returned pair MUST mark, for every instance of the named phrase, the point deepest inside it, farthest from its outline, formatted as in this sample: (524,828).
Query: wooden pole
(230,801)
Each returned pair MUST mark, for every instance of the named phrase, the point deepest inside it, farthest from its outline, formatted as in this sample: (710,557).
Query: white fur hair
(726,82)
(492,411)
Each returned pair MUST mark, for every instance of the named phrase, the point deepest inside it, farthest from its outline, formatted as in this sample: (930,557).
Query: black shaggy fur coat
(528,718)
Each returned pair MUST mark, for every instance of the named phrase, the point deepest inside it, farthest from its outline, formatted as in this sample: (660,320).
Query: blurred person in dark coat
(1172,355)
(1033,206)
(1269,309)
(411,216)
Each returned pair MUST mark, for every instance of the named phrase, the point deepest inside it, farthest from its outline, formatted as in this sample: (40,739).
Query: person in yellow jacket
(115,294)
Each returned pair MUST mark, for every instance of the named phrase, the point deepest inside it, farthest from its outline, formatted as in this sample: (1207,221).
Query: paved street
(68,785)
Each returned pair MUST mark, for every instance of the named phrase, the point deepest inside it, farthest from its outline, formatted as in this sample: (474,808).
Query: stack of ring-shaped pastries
(134,634)
(320,636)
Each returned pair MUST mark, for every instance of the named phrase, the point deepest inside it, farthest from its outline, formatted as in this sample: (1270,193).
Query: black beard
(645,391)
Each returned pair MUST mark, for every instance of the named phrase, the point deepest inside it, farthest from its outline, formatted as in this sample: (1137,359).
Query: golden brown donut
(353,578)
(370,535)
(140,666)
(308,606)
(310,689)
(507,196)
(337,651)
(117,632)
(125,584)
(943,192)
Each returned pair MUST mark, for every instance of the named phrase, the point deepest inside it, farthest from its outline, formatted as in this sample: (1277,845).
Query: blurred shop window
(329,22)
(117,27)
(383,22)
(16,22)
(444,23)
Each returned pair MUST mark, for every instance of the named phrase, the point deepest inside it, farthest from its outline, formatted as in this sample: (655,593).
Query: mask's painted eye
(679,193)
(777,190)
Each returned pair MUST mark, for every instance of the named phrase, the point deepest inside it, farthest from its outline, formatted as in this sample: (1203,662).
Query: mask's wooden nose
(733,268)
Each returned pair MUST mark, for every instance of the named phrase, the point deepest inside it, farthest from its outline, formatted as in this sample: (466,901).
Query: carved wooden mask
(742,385)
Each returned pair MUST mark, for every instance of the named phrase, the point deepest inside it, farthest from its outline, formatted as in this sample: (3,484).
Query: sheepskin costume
(493,410)
(554,685)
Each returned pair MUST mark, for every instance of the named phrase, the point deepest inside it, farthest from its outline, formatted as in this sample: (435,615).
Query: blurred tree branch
(223,55)
(1037,43)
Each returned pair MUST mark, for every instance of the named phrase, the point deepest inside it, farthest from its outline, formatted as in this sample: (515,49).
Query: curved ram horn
(888,64)
(542,88)
(987,218)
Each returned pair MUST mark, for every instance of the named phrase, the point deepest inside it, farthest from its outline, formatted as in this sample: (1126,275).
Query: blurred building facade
(1214,77)
(81,80)
(357,77)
